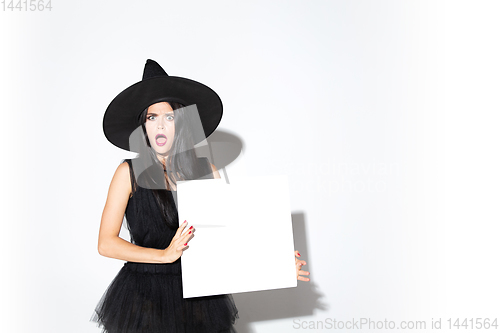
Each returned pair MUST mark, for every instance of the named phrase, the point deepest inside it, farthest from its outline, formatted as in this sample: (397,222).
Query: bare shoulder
(215,171)
(123,168)
(121,180)
(123,171)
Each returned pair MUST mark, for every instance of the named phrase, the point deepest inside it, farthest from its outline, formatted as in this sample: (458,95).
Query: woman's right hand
(179,243)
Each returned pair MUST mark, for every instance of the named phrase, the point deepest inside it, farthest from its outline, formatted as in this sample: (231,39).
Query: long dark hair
(181,164)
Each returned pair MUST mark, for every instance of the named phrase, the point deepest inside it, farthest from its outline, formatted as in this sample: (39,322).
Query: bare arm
(111,245)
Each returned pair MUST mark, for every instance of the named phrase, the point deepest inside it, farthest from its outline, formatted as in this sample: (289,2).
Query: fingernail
(191,227)
(298,254)
(189,232)
(184,221)
(186,244)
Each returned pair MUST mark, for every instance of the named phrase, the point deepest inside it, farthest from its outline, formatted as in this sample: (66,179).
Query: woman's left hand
(298,268)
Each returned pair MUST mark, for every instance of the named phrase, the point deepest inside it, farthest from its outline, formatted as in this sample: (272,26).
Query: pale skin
(159,123)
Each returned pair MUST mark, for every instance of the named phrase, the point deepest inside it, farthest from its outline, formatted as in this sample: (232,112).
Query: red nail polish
(186,244)
(191,227)
(189,232)
(298,254)
(184,221)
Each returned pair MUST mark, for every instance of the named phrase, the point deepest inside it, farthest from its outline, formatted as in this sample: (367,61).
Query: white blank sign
(243,240)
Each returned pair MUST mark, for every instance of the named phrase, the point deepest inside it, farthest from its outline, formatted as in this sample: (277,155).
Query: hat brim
(122,115)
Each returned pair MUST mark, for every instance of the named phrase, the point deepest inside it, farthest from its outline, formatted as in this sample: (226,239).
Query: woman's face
(160,127)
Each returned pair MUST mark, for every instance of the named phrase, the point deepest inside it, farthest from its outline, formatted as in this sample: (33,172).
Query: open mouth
(160,139)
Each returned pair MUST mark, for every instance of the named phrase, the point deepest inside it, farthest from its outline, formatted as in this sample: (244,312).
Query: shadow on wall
(224,148)
(282,303)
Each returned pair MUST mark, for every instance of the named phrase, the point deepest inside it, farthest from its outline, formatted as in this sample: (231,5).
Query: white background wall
(383,113)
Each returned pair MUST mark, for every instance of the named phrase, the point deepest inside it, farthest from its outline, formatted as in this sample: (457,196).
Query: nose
(161,123)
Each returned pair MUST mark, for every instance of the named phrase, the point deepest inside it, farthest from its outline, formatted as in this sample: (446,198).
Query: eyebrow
(155,114)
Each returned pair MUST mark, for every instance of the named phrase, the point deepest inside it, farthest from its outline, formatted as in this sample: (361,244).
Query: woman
(161,118)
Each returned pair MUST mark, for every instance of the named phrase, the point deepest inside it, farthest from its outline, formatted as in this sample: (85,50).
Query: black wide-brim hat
(122,115)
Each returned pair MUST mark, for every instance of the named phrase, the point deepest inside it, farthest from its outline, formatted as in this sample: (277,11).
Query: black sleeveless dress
(147,298)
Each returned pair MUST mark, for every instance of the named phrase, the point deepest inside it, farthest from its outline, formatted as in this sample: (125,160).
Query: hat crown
(152,69)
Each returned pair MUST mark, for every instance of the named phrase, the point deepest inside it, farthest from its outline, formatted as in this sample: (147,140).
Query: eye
(151,117)
(170,117)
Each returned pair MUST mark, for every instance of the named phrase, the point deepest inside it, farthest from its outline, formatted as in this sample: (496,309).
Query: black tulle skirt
(147,298)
